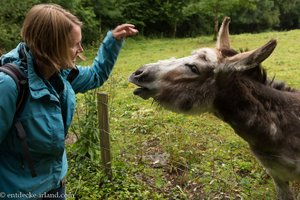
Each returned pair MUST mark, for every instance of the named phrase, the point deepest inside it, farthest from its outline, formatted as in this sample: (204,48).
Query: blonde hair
(46,31)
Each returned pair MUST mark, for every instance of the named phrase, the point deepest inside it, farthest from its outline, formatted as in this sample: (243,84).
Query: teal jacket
(46,118)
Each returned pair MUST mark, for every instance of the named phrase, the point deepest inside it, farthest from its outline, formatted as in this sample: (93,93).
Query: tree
(108,13)
(84,10)
(289,13)
(174,12)
(146,15)
(159,17)
(12,13)
(215,9)
(255,16)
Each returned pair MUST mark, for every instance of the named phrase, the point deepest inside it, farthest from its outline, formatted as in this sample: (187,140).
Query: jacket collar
(37,86)
(23,57)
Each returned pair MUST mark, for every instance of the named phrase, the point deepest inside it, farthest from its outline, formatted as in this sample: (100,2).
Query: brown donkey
(234,87)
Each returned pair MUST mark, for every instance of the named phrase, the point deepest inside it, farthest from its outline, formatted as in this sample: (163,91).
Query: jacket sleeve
(8,100)
(91,77)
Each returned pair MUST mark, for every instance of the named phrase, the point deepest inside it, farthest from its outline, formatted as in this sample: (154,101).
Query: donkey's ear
(250,59)
(223,35)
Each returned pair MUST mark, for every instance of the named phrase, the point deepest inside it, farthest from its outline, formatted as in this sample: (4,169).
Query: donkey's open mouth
(143,91)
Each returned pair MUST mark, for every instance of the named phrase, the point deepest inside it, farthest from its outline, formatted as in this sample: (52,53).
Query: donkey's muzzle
(144,79)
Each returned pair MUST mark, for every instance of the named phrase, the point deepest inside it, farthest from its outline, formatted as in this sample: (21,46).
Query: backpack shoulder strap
(21,82)
(22,85)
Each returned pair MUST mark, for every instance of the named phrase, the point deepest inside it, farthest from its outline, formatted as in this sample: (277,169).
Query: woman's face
(76,47)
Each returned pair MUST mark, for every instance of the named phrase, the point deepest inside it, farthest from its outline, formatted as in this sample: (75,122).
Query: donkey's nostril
(142,75)
(138,72)
(137,76)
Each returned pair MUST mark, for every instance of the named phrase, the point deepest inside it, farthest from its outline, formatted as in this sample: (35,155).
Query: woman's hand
(124,30)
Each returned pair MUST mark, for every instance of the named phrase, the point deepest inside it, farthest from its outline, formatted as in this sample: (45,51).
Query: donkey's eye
(193,68)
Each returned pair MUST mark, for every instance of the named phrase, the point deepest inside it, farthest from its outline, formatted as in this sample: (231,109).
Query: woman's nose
(80,48)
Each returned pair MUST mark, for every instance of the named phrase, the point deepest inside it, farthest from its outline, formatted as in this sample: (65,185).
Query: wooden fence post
(104,133)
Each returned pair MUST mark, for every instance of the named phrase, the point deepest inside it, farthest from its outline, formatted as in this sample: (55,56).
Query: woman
(52,42)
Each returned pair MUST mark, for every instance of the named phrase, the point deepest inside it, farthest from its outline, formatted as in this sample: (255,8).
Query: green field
(158,154)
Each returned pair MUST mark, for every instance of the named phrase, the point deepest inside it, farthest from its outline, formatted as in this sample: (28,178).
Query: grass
(158,154)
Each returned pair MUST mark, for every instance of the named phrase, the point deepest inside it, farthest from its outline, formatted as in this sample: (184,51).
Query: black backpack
(22,85)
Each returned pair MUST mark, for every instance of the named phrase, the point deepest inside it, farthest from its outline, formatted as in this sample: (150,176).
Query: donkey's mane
(259,74)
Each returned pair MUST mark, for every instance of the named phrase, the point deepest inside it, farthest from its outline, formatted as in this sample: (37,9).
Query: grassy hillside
(161,155)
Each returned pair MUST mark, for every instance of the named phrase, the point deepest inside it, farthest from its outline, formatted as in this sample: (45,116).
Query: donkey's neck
(258,113)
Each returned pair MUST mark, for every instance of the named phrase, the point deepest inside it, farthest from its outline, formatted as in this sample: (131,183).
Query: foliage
(256,16)
(174,12)
(11,14)
(215,9)
(89,182)
(288,10)
(108,13)
(159,18)
(85,128)
(84,10)
(157,154)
